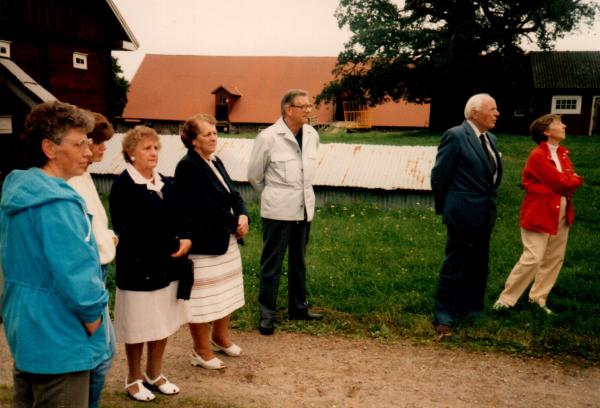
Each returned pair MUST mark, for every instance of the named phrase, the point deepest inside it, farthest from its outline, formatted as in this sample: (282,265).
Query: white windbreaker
(283,173)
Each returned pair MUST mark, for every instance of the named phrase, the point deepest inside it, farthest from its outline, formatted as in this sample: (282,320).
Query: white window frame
(562,111)
(5,48)
(5,125)
(77,56)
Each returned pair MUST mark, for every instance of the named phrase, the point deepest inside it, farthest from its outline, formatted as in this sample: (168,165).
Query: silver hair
(475,103)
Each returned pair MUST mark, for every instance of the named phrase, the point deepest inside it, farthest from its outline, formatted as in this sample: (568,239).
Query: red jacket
(544,186)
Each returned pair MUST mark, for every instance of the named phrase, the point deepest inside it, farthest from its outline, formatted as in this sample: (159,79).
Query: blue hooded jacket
(52,276)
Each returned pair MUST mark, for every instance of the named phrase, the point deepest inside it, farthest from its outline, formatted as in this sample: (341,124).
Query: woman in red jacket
(546,215)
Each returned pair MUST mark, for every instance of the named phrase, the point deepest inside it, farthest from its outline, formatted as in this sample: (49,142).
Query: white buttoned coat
(283,174)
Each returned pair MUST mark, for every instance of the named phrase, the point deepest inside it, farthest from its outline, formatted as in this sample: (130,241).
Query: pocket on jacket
(286,166)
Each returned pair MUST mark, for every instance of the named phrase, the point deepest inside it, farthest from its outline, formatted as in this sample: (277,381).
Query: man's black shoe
(305,315)
(266,327)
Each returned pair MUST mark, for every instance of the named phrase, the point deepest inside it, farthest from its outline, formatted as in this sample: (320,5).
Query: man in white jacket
(281,169)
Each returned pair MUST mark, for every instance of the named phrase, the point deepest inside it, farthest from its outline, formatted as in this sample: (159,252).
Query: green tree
(442,51)
(117,92)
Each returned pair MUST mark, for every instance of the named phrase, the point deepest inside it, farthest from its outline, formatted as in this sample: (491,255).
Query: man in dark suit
(464,180)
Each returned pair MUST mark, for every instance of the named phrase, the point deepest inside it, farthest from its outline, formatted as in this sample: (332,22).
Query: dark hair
(541,124)
(51,120)
(191,129)
(288,98)
(134,136)
(103,130)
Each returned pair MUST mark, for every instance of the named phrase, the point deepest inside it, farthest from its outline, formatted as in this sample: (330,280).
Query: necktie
(487,152)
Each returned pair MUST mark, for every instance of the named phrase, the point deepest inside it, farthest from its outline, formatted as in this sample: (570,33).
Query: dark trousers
(69,390)
(464,274)
(277,237)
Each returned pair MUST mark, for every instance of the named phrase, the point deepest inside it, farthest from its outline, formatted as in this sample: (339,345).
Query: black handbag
(184,268)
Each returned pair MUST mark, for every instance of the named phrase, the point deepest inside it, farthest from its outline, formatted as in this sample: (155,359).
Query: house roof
(175,87)
(22,85)
(339,165)
(231,90)
(566,69)
(130,43)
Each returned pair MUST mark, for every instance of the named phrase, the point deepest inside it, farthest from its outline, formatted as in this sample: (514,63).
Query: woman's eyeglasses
(82,144)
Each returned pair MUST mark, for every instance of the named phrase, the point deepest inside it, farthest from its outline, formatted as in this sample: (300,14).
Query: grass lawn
(373,271)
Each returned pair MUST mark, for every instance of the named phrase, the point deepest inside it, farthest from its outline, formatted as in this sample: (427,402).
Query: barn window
(565,104)
(5,125)
(79,60)
(4,48)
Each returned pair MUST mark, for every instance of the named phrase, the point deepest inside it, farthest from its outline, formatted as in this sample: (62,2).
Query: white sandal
(212,364)
(167,388)
(232,351)
(143,394)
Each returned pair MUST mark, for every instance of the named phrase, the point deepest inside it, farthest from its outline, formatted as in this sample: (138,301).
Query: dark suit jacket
(462,180)
(208,204)
(149,229)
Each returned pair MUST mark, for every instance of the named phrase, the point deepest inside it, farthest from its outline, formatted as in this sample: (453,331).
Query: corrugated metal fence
(388,176)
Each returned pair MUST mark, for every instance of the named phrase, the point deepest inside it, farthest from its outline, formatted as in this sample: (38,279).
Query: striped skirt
(218,288)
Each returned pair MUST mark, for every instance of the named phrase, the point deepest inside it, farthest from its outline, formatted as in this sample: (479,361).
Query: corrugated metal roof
(339,165)
(375,166)
(175,87)
(566,69)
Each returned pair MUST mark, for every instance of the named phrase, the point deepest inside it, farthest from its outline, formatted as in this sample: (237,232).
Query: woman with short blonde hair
(145,213)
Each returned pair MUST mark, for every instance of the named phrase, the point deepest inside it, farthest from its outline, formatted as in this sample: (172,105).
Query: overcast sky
(250,27)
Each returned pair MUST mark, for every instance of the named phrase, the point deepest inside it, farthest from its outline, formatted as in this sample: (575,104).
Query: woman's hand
(184,247)
(242,227)
(90,328)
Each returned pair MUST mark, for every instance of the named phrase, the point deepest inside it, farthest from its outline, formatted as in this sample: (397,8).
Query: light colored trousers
(541,260)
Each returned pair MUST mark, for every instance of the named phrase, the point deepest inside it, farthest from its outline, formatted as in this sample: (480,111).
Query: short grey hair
(475,103)
(288,98)
(51,120)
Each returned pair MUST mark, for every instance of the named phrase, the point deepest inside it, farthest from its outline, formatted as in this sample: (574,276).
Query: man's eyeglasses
(306,108)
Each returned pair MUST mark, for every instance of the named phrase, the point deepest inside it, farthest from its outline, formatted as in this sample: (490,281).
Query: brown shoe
(443,331)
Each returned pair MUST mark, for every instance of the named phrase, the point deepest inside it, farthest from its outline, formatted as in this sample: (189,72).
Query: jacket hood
(25,189)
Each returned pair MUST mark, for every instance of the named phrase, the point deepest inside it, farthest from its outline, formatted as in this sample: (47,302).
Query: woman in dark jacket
(152,235)
(219,222)
(547,214)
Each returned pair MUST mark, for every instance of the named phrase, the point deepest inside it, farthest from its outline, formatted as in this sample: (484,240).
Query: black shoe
(305,315)
(266,327)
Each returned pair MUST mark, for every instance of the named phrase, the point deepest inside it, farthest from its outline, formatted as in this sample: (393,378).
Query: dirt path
(291,370)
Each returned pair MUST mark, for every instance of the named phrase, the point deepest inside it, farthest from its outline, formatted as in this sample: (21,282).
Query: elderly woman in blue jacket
(54,306)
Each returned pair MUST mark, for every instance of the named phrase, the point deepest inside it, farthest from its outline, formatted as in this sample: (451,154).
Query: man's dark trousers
(277,237)
(463,276)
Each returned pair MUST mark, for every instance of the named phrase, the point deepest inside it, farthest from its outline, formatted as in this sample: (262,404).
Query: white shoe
(167,388)
(500,305)
(143,393)
(544,308)
(212,364)
(232,351)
